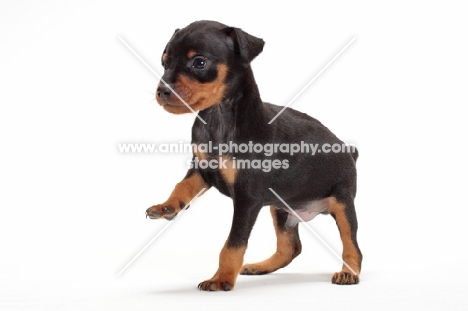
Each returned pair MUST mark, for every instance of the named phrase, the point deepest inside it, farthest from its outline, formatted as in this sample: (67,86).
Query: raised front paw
(167,210)
(345,278)
(215,285)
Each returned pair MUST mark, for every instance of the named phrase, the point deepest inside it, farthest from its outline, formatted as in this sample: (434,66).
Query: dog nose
(163,91)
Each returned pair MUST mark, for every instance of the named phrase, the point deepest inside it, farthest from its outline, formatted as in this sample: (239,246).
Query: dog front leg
(231,257)
(182,194)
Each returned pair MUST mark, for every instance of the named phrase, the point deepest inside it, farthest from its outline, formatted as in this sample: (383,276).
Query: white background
(72,207)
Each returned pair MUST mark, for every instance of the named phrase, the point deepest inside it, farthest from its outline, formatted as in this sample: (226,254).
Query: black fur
(242,117)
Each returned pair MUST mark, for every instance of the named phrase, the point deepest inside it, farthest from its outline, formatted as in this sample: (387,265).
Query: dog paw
(215,285)
(345,278)
(253,269)
(167,210)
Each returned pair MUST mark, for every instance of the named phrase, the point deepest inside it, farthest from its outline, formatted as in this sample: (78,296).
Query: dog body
(207,65)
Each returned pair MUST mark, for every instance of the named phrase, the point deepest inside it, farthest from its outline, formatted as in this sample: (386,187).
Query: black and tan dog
(208,65)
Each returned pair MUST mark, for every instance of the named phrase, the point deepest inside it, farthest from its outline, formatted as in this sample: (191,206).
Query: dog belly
(306,212)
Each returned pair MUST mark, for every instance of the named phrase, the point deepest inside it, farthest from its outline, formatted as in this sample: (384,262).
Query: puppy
(207,70)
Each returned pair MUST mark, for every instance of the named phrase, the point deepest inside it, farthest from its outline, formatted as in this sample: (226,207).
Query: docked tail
(355,154)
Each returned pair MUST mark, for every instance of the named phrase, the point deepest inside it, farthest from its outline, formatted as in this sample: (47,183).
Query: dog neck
(236,117)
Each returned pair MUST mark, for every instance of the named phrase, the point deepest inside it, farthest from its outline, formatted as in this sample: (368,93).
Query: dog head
(199,62)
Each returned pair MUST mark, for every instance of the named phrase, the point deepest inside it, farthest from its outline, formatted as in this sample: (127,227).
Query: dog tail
(355,154)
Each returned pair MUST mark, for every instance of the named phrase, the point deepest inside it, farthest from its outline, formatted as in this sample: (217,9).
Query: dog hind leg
(345,217)
(288,246)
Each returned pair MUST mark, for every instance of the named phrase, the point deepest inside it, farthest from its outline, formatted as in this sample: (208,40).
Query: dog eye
(199,62)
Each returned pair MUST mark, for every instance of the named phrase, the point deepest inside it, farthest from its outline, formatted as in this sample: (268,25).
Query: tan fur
(228,172)
(199,154)
(284,251)
(350,254)
(197,95)
(230,263)
(186,190)
(191,53)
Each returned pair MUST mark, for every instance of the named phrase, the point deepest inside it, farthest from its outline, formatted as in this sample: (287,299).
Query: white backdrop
(73,207)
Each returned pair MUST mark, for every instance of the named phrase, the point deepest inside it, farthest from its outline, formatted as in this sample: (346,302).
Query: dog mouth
(175,102)
(177,106)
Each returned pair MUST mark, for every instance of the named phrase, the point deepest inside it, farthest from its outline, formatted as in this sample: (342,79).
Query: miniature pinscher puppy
(207,68)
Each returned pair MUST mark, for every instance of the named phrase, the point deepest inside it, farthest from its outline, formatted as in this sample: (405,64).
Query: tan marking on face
(196,94)
(191,53)
(164,57)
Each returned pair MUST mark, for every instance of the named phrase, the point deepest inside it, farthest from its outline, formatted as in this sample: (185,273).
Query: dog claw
(166,211)
(215,286)
(345,278)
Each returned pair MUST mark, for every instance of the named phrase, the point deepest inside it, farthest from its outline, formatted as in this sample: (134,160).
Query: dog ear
(244,44)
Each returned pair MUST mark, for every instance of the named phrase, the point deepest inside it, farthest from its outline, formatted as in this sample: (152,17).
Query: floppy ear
(243,44)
